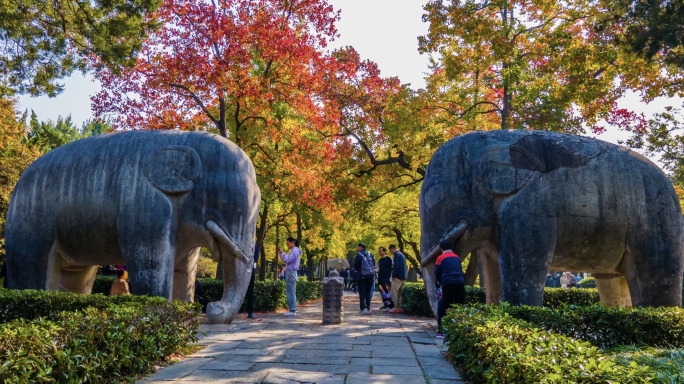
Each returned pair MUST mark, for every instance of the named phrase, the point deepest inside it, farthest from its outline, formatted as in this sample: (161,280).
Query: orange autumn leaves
(256,72)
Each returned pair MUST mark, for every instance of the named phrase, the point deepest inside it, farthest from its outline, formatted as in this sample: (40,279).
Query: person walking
(384,274)
(291,260)
(449,276)
(364,264)
(398,278)
(345,275)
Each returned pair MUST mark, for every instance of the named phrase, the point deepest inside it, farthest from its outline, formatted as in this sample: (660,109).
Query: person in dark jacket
(398,278)
(449,276)
(345,275)
(384,274)
(365,278)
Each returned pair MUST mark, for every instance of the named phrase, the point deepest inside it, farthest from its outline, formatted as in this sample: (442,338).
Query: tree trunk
(261,236)
(309,266)
(471,272)
(276,256)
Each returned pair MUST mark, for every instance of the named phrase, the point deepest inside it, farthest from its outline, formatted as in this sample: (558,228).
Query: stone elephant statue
(147,199)
(530,201)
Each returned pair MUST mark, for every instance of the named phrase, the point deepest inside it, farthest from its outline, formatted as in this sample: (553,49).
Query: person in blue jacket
(449,276)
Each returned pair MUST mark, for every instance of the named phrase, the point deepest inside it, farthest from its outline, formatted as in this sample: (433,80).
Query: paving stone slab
(213,376)
(387,352)
(250,358)
(384,361)
(179,369)
(446,372)
(295,359)
(307,368)
(427,350)
(365,378)
(224,365)
(325,353)
(398,370)
(287,377)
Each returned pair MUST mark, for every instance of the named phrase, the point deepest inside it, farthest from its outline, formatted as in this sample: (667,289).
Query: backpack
(367,265)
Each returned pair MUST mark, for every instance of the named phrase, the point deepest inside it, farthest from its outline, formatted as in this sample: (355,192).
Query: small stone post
(333,290)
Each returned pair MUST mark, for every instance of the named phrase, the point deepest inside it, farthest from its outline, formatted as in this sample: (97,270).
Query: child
(387,301)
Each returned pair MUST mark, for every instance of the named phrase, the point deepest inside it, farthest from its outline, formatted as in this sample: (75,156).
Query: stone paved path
(376,349)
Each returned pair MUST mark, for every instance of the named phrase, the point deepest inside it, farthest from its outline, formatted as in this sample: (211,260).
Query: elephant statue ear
(501,171)
(173,169)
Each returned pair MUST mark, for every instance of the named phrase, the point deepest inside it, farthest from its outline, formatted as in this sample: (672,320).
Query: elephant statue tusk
(457,231)
(225,240)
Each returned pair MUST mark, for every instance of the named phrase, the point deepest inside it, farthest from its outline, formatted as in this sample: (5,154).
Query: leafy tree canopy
(42,41)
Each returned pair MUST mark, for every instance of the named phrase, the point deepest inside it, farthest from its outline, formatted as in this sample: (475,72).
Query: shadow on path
(365,349)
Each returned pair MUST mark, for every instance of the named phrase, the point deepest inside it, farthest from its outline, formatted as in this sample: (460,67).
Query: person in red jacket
(449,276)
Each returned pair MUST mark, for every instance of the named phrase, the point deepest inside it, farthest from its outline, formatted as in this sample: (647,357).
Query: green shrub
(495,347)
(31,304)
(415,300)
(102,284)
(668,364)
(97,344)
(309,290)
(609,327)
(269,296)
(588,282)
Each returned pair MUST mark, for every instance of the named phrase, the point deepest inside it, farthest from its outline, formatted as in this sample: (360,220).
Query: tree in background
(537,64)
(43,41)
(48,135)
(653,28)
(15,156)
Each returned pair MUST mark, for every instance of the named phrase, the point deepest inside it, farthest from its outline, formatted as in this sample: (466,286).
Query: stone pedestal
(333,290)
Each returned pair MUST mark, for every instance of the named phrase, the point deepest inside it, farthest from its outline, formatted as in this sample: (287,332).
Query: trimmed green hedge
(495,347)
(415,300)
(93,339)
(609,327)
(30,304)
(588,282)
(269,296)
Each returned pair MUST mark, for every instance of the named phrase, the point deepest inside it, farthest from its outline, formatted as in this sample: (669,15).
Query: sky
(385,31)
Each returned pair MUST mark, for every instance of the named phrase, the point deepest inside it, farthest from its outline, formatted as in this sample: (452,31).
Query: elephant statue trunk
(237,268)
(452,236)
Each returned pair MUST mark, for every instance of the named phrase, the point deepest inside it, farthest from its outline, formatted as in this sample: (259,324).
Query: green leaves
(64,337)
(42,41)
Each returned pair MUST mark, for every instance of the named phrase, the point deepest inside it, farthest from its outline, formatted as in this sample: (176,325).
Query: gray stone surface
(276,349)
(146,199)
(529,200)
(333,290)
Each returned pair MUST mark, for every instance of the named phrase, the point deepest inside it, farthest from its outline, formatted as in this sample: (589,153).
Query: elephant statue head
(218,206)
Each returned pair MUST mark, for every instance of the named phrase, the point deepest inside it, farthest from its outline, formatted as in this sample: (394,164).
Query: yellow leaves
(15,155)
(680,192)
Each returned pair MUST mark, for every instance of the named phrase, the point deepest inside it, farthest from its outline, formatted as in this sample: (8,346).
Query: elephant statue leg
(77,279)
(489,257)
(526,245)
(184,274)
(30,265)
(654,272)
(147,245)
(613,290)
